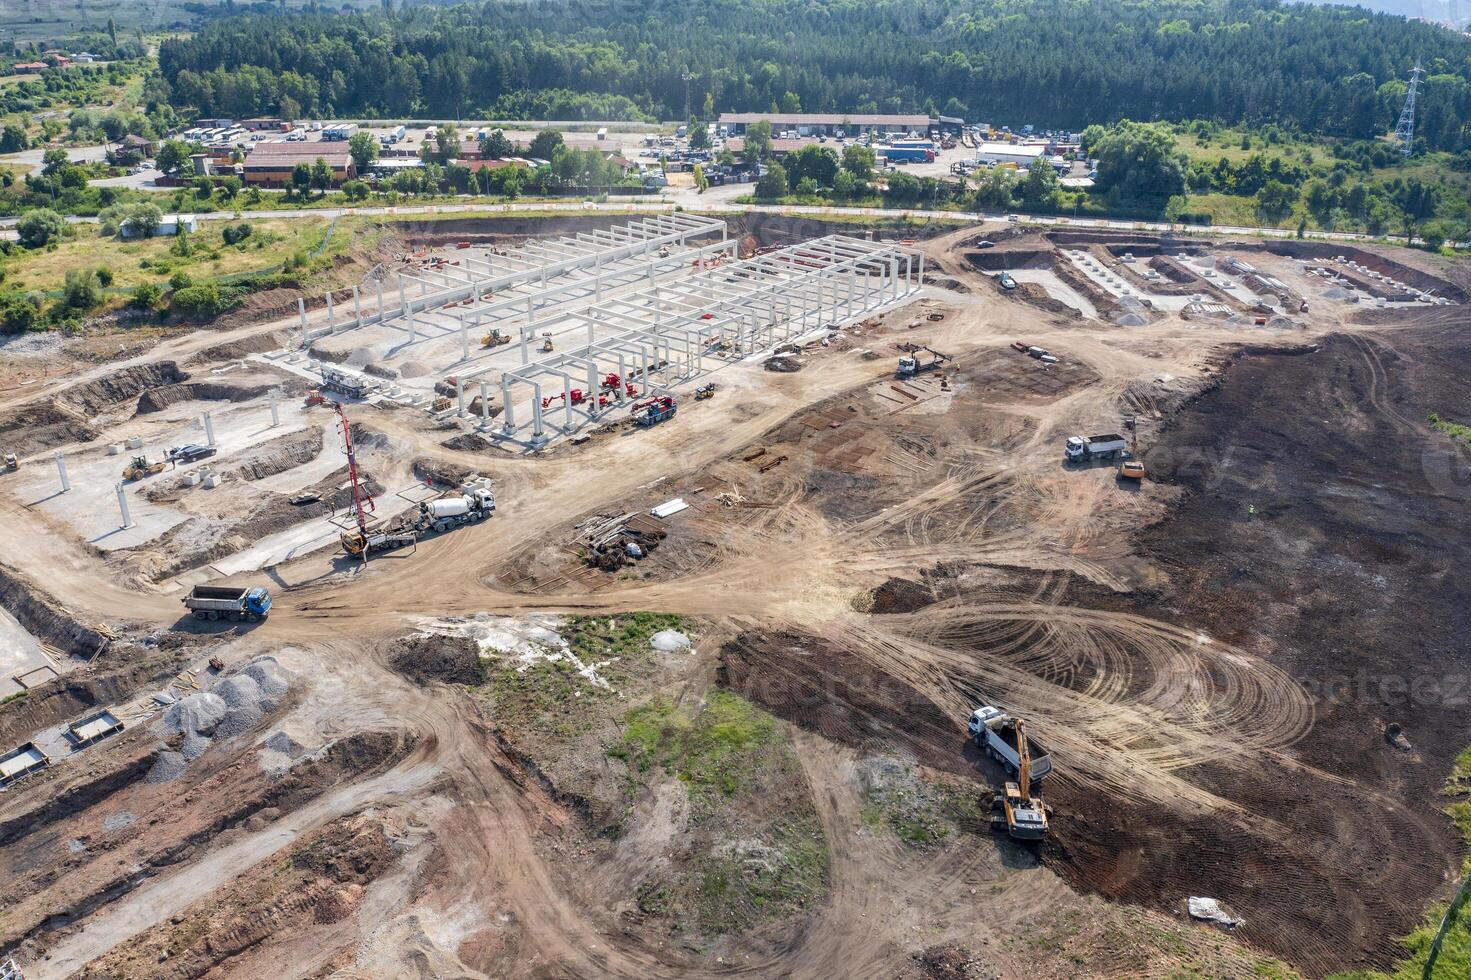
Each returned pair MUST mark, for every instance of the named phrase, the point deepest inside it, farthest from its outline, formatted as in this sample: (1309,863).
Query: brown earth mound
(428,657)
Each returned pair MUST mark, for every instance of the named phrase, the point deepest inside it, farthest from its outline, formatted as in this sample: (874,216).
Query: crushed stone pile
(414,369)
(198,713)
(168,767)
(363,356)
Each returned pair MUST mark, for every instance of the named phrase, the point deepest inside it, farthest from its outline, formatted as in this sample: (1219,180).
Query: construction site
(663,595)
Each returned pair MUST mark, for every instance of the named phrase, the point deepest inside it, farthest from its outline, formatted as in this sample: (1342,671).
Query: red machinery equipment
(578,397)
(314,398)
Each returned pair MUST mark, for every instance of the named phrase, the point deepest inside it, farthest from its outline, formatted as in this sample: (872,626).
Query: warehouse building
(271,164)
(827,124)
(1022,155)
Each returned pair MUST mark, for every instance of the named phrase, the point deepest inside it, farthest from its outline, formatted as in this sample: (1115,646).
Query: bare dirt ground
(1211,658)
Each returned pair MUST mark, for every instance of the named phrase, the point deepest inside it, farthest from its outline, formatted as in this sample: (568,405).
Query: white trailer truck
(994,732)
(1083,448)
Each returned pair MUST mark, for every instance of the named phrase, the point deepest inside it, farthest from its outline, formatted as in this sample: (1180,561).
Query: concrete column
(209,430)
(598,277)
(66,484)
(357,306)
(301,313)
(331,314)
(921,269)
(460,396)
(537,427)
(380,300)
(122,505)
(275,411)
(464,340)
(509,426)
(484,402)
(525,334)
(623,378)
(848,304)
(413,327)
(403,303)
(594,383)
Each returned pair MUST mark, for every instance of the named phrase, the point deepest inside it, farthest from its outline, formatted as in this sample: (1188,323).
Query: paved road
(712,203)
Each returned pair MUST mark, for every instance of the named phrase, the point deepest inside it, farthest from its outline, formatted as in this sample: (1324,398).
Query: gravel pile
(195,745)
(414,369)
(168,767)
(198,713)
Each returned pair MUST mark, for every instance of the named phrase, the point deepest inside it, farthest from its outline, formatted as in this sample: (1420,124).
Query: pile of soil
(439,473)
(468,442)
(428,657)
(900,595)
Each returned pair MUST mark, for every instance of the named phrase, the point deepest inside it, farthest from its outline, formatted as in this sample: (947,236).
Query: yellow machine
(10,463)
(141,466)
(1132,469)
(546,346)
(495,338)
(1024,815)
(705,391)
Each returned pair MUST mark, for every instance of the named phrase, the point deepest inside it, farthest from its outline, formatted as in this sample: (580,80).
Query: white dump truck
(994,732)
(456,510)
(1106,446)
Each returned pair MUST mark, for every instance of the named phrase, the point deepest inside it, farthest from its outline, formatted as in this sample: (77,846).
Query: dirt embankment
(1322,548)
(226,794)
(157,399)
(67,416)
(46,618)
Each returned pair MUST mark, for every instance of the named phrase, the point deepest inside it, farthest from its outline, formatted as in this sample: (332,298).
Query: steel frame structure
(664,332)
(597,254)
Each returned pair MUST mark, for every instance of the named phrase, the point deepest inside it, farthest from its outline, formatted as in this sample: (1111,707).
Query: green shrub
(203,302)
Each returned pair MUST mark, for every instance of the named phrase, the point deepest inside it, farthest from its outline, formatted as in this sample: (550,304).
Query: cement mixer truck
(456,510)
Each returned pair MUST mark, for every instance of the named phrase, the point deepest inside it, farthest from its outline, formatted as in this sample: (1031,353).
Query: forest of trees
(1331,70)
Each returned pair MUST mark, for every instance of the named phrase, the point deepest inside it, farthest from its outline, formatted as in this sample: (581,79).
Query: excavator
(1023,815)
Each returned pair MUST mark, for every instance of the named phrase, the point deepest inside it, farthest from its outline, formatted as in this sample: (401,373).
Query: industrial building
(828,124)
(271,164)
(1022,155)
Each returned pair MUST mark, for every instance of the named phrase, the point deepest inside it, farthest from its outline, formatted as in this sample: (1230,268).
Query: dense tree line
(1049,62)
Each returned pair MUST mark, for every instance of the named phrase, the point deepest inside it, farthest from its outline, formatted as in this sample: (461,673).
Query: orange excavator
(1023,815)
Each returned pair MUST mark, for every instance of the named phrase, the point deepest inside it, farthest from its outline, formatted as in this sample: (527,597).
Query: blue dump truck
(228,602)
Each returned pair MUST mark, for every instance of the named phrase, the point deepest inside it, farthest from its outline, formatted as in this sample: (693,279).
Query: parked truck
(909,154)
(1083,448)
(995,733)
(228,602)
(456,510)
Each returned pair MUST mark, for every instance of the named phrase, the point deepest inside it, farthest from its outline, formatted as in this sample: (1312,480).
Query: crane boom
(1024,760)
(361,501)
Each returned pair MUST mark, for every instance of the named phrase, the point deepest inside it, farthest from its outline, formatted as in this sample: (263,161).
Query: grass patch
(549,698)
(269,246)
(718,751)
(754,849)
(1461,433)
(13,697)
